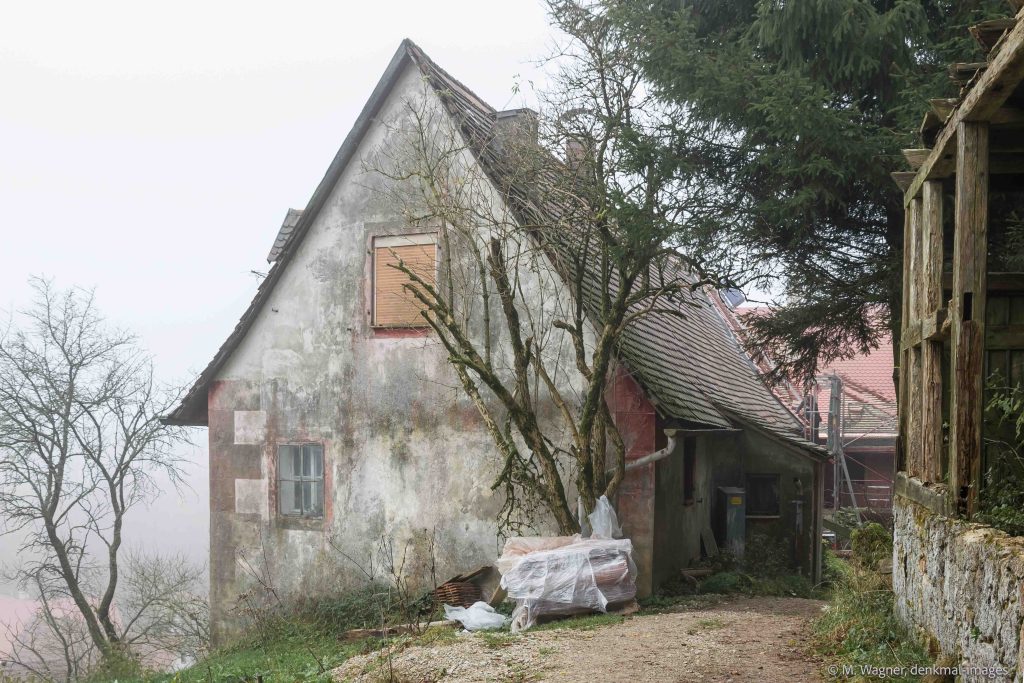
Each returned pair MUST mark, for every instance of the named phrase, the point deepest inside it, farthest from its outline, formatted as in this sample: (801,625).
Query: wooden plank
(916,157)
(913,280)
(903,179)
(943,107)
(995,86)
(933,326)
(931,351)
(1008,337)
(989,33)
(962,72)
(902,409)
(967,313)
(930,127)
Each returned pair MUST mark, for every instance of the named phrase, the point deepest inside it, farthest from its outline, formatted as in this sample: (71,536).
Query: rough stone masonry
(963,584)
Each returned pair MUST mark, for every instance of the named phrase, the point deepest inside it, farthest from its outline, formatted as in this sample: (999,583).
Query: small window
(689,469)
(300,480)
(763,495)
(393,304)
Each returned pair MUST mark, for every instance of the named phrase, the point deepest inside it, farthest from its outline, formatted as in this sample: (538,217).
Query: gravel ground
(741,639)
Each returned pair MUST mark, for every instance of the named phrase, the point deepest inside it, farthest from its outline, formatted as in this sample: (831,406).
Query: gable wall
(406,456)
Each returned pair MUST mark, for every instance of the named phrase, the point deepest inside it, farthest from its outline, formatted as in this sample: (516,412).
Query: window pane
(763,495)
(287,499)
(318,461)
(307,496)
(288,458)
(316,509)
(307,462)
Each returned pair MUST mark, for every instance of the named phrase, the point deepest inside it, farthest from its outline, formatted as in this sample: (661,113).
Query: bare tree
(547,257)
(81,444)
(161,616)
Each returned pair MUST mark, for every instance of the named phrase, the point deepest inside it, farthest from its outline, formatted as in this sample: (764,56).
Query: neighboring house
(335,421)
(867,428)
(867,409)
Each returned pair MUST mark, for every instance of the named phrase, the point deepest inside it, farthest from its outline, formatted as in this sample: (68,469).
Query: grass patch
(860,627)
(707,624)
(584,622)
(292,647)
(783,585)
(495,640)
(666,602)
(286,657)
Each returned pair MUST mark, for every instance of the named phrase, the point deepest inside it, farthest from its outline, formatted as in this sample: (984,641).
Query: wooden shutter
(393,305)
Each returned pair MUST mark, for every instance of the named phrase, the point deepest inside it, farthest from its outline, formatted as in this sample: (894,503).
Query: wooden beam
(916,157)
(930,127)
(912,281)
(931,351)
(943,107)
(933,327)
(903,179)
(967,315)
(997,281)
(989,33)
(1008,337)
(995,86)
(962,72)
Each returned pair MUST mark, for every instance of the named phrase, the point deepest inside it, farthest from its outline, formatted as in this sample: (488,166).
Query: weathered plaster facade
(406,455)
(963,585)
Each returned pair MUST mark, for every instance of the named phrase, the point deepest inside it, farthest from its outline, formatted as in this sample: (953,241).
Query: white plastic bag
(477,617)
(603,521)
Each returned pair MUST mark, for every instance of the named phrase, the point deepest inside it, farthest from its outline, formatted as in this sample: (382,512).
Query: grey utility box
(731,518)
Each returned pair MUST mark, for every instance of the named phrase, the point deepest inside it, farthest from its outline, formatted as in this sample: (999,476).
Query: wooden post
(903,411)
(931,351)
(967,314)
(913,280)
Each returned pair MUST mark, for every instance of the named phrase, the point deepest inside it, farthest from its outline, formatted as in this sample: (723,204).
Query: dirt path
(745,639)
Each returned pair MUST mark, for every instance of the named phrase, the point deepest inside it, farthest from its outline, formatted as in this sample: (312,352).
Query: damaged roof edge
(193,409)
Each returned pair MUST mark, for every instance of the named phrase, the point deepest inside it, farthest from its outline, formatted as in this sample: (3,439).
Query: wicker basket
(457,593)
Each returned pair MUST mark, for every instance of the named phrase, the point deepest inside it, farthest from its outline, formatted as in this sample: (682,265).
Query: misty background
(150,152)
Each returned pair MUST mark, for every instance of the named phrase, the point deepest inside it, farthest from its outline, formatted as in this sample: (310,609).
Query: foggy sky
(150,151)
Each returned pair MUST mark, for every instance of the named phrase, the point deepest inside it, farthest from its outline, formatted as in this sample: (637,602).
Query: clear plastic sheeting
(477,617)
(603,521)
(568,574)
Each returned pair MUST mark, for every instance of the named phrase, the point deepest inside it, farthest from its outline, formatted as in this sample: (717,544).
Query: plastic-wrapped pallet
(567,574)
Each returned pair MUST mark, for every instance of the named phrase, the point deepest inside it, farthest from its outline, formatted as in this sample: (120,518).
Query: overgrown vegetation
(1001,503)
(859,626)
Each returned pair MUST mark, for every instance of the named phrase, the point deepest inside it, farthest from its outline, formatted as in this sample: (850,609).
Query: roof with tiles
(291,219)
(692,366)
(868,390)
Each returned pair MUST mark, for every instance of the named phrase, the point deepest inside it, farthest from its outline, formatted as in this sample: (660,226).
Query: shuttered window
(393,305)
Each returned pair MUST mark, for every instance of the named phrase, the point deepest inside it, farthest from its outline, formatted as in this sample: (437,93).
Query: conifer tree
(804,106)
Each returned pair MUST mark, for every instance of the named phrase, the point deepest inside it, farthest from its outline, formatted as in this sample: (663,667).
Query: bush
(871,543)
(1002,504)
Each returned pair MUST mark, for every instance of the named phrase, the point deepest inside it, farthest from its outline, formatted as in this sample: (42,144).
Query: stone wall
(962,584)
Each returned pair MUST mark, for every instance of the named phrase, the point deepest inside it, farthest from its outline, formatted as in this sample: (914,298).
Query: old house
(963,336)
(335,419)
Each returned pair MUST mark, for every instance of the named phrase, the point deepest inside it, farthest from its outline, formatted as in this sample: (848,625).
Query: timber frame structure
(976,143)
